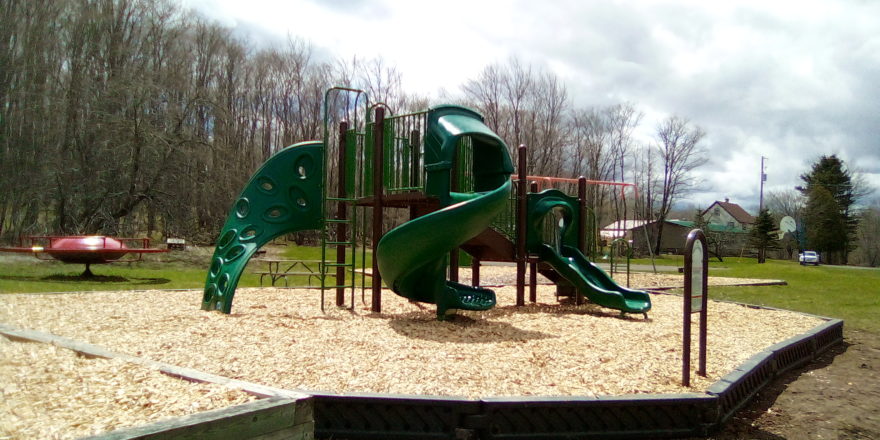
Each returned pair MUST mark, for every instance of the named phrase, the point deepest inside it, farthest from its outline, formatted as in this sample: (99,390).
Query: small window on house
(717,210)
(729,224)
(744,226)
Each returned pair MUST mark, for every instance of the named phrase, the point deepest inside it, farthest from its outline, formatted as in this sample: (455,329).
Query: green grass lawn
(174,270)
(851,294)
(848,293)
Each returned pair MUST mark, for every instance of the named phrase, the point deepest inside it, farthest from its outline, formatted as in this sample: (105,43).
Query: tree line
(132,117)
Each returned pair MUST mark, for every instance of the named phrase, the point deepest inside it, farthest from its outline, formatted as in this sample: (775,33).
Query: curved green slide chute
(412,258)
(589,280)
(283,196)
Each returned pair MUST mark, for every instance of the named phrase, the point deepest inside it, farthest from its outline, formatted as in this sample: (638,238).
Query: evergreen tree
(826,228)
(763,235)
(830,220)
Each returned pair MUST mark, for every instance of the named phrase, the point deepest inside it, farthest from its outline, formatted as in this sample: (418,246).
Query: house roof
(735,211)
(610,232)
(619,228)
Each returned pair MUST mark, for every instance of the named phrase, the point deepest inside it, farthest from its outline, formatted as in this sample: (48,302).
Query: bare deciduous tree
(679,153)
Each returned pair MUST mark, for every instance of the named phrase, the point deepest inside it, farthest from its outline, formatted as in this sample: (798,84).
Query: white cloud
(787,80)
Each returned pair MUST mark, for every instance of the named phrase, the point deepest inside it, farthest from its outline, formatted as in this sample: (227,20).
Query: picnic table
(278,269)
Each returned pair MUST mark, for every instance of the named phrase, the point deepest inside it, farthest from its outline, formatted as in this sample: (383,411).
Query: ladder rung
(338,264)
(338,220)
(340,199)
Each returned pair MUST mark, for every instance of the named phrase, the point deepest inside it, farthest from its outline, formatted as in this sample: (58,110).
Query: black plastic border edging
(738,387)
(391,416)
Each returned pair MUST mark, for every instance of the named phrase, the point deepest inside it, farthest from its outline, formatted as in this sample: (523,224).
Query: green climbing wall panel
(283,196)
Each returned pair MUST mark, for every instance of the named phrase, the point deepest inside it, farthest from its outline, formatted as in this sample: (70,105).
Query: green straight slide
(593,282)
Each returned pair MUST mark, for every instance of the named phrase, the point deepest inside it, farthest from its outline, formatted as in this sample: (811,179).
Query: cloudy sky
(789,81)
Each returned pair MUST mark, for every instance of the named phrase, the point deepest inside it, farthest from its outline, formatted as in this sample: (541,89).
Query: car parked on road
(808,257)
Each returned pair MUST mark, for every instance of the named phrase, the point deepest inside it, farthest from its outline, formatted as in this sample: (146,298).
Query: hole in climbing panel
(276,214)
(222,283)
(216,265)
(554,227)
(234,252)
(242,207)
(299,197)
(303,167)
(209,292)
(266,184)
(226,238)
(248,233)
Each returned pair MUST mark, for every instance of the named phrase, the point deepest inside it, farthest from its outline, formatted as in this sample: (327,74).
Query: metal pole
(341,215)
(522,205)
(414,177)
(378,162)
(453,254)
(582,214)
(763,179)
(533,263)
(475,272)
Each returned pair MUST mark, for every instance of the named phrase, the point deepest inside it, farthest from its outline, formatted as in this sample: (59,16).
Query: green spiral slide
(412,258)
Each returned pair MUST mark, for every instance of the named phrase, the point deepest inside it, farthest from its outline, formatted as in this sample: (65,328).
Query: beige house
(728,214)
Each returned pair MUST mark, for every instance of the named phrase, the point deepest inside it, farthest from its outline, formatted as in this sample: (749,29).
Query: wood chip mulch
(48,392)
(280,337)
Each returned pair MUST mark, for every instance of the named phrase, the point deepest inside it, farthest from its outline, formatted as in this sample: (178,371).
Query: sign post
(696,294)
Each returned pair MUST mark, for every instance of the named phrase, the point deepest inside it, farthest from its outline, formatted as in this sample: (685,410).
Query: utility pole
(763,179)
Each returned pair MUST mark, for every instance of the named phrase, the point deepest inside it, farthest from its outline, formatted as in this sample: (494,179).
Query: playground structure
(451,177)
(84,249)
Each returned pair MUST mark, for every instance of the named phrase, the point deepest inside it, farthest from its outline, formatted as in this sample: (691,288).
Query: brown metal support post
(695,237)
(415,172)
(521,218)
(475,272)
(582,206)
(582,224)
(378,162)
(686,332)
(533,280)
(701,366)
(341,214)
(453,255)
(533,263)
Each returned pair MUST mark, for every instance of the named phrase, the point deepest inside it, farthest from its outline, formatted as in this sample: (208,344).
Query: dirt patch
(835,397)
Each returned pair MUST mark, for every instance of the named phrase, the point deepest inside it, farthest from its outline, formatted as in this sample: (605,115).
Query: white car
(808,257)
